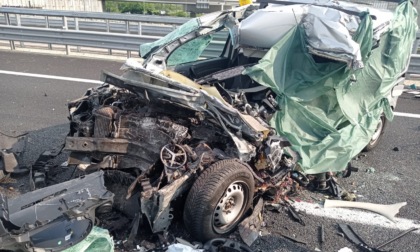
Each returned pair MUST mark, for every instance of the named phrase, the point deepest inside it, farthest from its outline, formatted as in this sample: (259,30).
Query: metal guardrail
(92,25)
(190,2)
(414,67)
(413,70)
(105,30)
(96,15)
(126,42)
(83,29)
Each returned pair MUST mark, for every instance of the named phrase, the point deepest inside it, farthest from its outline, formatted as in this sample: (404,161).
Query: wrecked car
(292,90)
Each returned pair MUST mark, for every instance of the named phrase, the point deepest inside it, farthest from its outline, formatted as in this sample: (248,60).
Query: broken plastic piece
(52,218)
(354,238)
(9,161)
(182,248)
(296,217)
(370,170)
(345,249)
(389,211)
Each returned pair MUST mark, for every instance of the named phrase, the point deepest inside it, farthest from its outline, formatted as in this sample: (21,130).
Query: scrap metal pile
(209,137)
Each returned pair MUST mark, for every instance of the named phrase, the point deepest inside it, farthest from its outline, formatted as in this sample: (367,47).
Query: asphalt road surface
(35,88)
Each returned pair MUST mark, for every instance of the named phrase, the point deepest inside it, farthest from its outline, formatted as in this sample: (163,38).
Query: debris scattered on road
(178,247)
(321,234)
(182,241)
(400,235)
(2,176)
(413,86)
(340,234)
(347,196)
(273,206)
(8,161)
(389,211)
(355,239)
(10,149)
(396,149)
(345,249)
(250,227)
(370,170)
(294,214)
(5,178)
(295,239)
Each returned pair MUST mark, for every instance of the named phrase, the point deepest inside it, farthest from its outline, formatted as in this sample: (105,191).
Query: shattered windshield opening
(146,49)
(204,47)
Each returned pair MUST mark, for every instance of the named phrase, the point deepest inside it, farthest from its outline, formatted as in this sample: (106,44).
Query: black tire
(377,136)
(203,216)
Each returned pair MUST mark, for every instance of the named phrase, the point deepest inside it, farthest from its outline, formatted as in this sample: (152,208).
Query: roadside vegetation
(146,8)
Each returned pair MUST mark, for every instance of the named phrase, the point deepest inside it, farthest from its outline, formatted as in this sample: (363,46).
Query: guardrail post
(65,27)
(415,45)
(47,25)
(11,42)
(76,27)
(140,29)
(108,30)
(127,30)
(19,23)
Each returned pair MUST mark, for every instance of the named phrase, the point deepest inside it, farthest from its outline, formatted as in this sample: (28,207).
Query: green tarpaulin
(329,111)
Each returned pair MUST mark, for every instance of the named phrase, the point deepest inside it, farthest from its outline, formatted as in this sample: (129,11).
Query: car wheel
(377,135)
(218,199)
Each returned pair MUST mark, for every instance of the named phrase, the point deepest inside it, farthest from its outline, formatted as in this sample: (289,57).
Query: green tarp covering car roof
(329,110)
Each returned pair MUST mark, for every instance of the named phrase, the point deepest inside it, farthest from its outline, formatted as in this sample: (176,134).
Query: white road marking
(54,77)
(407,114)
(356,216)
